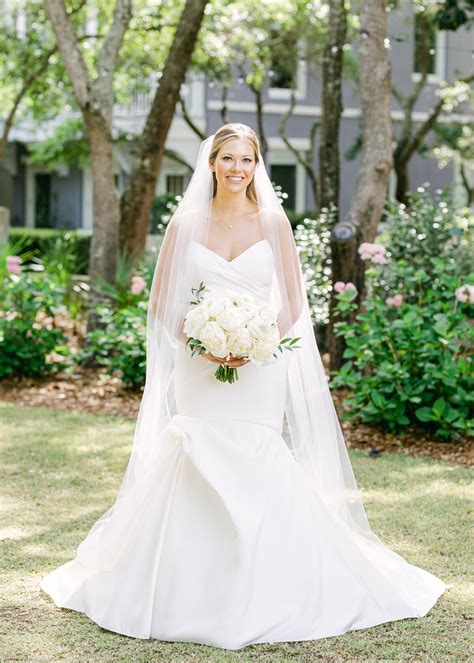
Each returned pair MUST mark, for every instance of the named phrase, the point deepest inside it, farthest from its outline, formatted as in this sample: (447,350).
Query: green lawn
(60,472)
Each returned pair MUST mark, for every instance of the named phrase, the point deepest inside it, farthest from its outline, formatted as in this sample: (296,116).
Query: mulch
(92,390)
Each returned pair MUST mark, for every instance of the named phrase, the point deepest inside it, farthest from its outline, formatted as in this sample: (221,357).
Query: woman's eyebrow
(228,154)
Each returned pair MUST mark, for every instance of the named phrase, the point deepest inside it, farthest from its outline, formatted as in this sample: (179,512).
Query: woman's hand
(232,362)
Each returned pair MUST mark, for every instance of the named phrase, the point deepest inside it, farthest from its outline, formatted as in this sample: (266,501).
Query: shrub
(429,226)
(313,237)
(408,351)
(162,208)
(41,241)
(119,344)
(31,341)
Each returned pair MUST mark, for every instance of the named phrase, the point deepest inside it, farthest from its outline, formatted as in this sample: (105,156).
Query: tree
(454,144)
(331,105)
(27,47)
(450,94)
(413,133)
(361,221)
(247,41)
(95,98)
(138,196)
(306,160)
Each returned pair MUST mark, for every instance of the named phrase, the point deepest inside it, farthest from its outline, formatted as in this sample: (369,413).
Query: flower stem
(226,374)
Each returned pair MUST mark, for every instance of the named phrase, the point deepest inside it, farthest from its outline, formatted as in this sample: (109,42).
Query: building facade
(40,197)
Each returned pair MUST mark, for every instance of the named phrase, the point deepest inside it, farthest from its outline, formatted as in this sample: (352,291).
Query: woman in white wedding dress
(238,520)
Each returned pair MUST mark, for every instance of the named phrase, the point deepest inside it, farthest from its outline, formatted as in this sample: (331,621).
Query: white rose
(268,313)
(194,320)
(215,304)
(241,343)
(258,328)
(246,303)
(230,318)
(214,339)
(262,353)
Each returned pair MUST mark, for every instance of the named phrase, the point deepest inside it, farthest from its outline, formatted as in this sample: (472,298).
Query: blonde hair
(229,132)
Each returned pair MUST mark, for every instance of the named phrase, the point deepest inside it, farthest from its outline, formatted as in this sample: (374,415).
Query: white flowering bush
(229,324)
(430,226)
(313,241)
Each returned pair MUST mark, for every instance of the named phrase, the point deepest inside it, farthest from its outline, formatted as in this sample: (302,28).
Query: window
(175,184)
(285,177)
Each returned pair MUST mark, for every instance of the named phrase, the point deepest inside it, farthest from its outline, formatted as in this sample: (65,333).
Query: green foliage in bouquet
(408,356)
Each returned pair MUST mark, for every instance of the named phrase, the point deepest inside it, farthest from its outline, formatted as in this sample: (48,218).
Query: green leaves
(289,344)
(410,364)
(119,344)
(32,343)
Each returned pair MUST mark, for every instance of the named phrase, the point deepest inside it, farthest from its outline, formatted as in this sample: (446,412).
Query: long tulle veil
(313,433)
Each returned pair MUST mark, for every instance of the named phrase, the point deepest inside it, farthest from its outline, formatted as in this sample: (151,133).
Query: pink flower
(138,285)
(341,287)
(396,300)
(373,252)
(465,293)
(14,264)
(366,248)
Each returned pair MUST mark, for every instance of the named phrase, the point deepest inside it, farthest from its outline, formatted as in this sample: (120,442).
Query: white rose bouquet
(228,324)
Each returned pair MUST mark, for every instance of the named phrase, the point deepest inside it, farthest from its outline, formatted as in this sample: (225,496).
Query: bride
(238,519)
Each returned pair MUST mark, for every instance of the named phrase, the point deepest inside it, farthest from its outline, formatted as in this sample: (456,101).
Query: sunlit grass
(61,471)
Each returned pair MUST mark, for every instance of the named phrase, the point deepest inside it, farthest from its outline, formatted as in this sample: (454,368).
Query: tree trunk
(331,105)
(260,123)
(95,99)
(105,201)
(137,198)
(361,221)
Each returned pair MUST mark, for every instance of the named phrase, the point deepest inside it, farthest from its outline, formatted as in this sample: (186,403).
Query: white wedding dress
(228,544)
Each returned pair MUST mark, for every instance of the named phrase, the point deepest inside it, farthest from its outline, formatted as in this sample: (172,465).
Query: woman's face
(234,165)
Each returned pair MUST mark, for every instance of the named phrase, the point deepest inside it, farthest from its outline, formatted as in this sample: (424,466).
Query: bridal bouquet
(228,324)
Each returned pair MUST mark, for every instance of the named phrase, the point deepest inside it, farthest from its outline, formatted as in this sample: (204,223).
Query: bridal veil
(312,434)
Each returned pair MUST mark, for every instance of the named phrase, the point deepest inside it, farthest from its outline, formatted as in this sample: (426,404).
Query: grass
(61,471)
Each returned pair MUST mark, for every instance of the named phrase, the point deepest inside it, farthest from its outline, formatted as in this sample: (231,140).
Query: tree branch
(189,121)
(70,51)
(307,164)
(109,51)
(225,92)
(428,124)
(27,83)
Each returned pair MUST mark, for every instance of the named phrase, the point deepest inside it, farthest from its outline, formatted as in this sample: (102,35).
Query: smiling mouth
(235,180)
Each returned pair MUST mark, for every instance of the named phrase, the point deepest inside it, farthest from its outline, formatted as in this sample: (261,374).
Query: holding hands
(232,362)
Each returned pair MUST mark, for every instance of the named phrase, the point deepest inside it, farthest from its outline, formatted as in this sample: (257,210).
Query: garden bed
(93,390)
